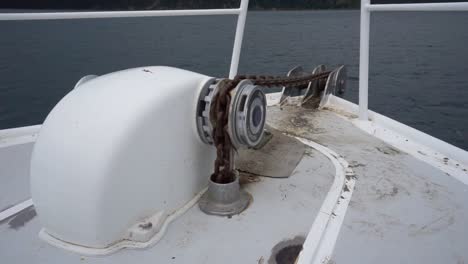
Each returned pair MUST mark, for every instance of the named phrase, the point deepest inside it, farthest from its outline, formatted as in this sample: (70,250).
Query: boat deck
(401,210)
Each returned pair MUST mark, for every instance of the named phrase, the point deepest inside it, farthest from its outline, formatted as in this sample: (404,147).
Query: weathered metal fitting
(292,91)
(224,199)
(336,83)
(315,87)
(205,99)
(247,114)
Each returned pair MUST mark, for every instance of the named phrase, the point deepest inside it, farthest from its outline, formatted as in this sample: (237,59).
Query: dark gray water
(419,61)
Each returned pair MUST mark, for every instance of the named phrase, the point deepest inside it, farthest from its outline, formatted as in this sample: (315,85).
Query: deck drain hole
(288,254)
(287,251)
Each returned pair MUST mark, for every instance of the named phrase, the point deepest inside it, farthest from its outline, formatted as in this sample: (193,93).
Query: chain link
(219,115)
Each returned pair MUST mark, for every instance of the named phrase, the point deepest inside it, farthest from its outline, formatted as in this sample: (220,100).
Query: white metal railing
(241,12)
(366,9)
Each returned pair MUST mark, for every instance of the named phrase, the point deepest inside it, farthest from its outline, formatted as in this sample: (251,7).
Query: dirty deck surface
(401,211)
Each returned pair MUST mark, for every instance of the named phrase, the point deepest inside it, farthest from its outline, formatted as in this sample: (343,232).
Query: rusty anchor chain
(219,115)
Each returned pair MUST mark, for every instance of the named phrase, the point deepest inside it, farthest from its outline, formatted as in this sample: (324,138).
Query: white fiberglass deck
(402,210)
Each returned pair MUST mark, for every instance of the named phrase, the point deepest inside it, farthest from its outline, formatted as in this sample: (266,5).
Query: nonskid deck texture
(401,211)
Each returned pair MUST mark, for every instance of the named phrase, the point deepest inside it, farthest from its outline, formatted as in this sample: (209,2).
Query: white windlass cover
(118,157)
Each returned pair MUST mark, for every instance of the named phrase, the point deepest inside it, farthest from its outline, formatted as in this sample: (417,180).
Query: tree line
(191,4)
(175,4)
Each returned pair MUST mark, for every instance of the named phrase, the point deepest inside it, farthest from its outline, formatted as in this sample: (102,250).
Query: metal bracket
(313,90)
(291,91)
(336,82)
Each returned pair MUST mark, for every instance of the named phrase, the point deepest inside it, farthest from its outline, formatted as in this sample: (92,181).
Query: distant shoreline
(303,9)
(11,10)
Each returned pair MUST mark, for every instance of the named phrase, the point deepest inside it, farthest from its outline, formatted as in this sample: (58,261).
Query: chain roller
(219,116)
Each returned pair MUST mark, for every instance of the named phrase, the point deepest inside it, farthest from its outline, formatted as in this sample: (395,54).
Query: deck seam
(321,239)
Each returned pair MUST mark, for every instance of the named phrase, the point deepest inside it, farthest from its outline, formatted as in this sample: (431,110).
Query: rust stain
(247,178)
(312,103)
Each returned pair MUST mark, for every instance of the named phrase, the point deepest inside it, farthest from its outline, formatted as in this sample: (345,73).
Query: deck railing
(366,9)
(241,12)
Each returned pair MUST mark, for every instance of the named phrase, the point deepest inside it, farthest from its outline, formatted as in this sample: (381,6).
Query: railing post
(244,6)
(364,61)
